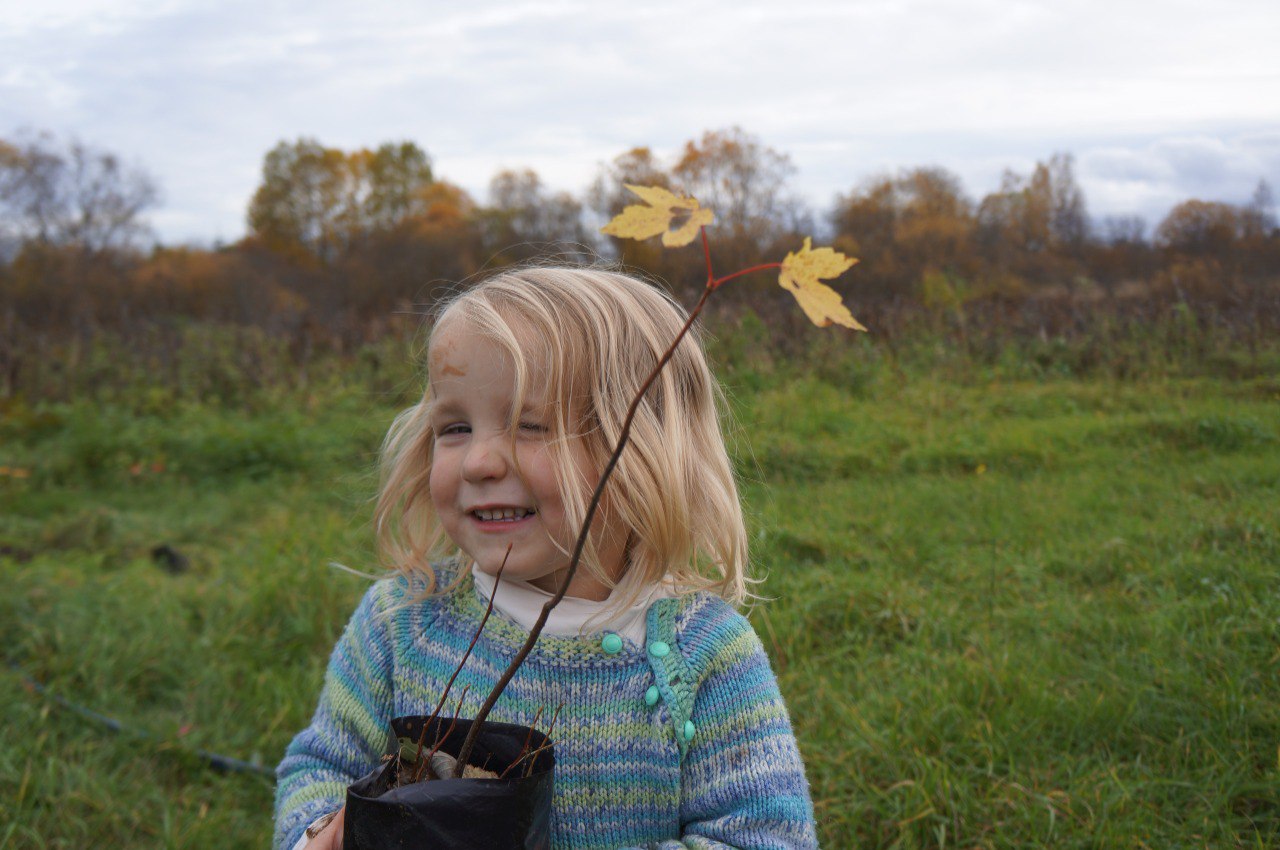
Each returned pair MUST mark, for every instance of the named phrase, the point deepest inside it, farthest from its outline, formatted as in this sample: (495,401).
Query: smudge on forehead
(519,345)
(442,354)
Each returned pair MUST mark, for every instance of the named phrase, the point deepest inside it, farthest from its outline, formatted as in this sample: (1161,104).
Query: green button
(611,644)
(651,696)
(689,730)
(659,649)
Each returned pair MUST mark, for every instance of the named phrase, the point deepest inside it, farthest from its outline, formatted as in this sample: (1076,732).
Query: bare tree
(70,196)
(525,220)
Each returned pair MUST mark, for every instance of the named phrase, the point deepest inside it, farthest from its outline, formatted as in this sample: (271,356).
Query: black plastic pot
(513,813)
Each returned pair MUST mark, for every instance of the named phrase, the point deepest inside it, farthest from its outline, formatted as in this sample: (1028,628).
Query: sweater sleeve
(348,732)
(743,781)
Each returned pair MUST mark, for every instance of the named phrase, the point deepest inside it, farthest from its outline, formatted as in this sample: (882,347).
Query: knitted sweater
(708,760)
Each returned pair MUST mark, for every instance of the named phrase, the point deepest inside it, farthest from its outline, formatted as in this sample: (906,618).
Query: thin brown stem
(531,756)
(555,715)
(715,284)
(592,506)
(706,252)
(525,749)
(440,739)
(551,728)
(529,736)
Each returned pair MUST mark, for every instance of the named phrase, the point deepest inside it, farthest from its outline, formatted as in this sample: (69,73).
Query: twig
(524,751)
(718,281)
(529,737)
(554,717)
(532,756)
(528,768)
(440,739)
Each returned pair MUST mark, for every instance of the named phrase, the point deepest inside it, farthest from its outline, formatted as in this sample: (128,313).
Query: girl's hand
(330,837)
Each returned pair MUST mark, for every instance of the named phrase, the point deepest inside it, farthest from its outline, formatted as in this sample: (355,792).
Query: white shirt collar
(521,602)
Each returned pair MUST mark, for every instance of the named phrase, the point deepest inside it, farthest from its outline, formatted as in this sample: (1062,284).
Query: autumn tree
(317,203)
(1203,243)
(300,206)
(439,243)
(1119,252)
(607,196)
(911,230)
(220,285)
(396,180)
(730,171)
(1035,227)
(745,182)
(1198,228)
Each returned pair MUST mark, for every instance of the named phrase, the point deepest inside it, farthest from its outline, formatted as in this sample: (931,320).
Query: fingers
(329,838)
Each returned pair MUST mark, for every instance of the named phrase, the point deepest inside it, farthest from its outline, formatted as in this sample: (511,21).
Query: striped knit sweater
(708,760)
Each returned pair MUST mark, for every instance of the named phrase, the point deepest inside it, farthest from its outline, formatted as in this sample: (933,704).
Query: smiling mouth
(503,514)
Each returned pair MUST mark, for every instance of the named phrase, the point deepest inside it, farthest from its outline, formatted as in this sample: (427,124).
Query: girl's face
(483,505)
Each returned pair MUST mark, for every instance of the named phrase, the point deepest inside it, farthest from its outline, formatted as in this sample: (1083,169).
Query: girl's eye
(456,428)
(533,427)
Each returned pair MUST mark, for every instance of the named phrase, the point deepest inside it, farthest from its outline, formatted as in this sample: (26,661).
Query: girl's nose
(486,458)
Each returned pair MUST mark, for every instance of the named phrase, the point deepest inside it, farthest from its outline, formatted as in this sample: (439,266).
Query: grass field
(1007,613)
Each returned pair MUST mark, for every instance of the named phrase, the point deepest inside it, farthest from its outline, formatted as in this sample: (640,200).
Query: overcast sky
(1159,102)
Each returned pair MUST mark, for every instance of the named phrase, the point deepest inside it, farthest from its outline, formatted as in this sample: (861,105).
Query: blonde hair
(594,336)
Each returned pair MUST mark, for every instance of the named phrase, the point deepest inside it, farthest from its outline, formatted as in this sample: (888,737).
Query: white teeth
(502,514)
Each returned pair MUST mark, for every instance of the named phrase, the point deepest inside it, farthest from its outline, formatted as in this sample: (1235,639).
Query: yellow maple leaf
(801,273)
(661,208)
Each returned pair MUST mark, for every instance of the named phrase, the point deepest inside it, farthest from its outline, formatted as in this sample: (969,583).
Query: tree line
(340,242)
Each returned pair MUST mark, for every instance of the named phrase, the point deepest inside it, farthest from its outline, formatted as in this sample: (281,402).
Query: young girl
(671,730)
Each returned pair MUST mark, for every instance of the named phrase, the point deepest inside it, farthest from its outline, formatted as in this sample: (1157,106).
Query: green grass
(1007,613)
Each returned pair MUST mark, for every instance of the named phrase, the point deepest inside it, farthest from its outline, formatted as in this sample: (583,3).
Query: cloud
(1150,178)
(199,92)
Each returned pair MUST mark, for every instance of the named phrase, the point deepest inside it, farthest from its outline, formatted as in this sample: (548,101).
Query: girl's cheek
(436,478)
